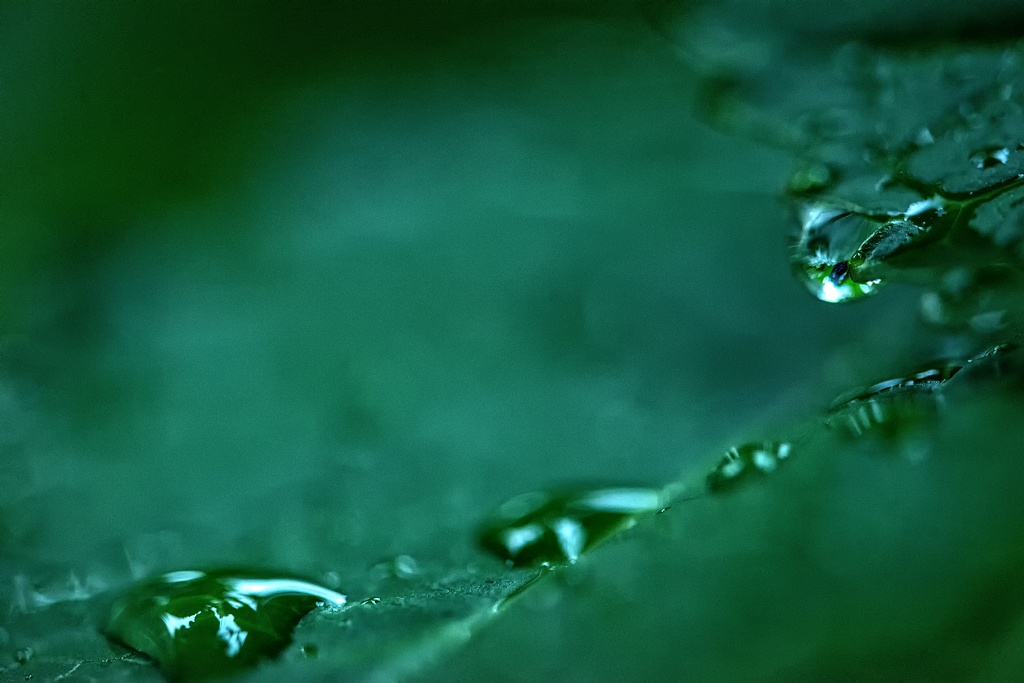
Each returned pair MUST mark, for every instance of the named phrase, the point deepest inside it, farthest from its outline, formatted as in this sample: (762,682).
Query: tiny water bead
(201,625)
(744,462)
(546,528)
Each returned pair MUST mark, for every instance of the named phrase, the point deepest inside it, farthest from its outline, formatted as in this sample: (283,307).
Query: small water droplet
(200,625)
(990,158)
(988,322)
(406,567)
(743,462)
(546,528)
(397,567)
(810,179)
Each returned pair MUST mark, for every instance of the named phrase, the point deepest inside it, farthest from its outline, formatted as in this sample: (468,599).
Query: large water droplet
(746,462)
(200,625)
(547,528)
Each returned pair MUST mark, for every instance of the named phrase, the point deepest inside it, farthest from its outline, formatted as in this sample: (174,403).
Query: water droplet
(1001,219)
(749,460)
(839,253)
(406,567)
(810,179)
(547,528)
(398,567)
(988,322)
(898,403)
(863,409)
(990,158)
(885,414)
(928,378)
(200,625)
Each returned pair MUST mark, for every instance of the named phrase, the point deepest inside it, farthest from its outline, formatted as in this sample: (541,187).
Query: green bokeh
(312,286)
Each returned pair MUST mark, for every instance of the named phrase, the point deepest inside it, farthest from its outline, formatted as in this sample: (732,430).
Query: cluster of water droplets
(926,192)
(911,157)
(198,625)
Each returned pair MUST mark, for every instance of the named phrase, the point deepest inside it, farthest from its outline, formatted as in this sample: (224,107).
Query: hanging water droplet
(398,567)
(200,625)
(547,528)
(746,461)
(832,241)
(839,253)
(832,283)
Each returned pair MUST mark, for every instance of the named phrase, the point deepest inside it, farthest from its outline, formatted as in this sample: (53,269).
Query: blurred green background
(309,285)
